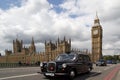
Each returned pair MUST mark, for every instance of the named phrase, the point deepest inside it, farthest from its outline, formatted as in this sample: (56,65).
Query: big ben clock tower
(96,40)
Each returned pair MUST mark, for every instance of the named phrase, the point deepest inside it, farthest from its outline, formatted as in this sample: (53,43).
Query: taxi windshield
(64,57)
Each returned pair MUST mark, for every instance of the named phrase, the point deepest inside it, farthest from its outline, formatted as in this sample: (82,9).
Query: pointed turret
(70,41)
(58,40)
(45,42)
(64,38)
(96,16)
(50,41)
(32,41)
(32,47)
(96,21)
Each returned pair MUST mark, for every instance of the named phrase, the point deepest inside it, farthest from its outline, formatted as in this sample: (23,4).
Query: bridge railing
(13,65)
(8,65)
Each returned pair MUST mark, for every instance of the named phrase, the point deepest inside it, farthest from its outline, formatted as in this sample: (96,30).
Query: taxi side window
(86,58)
(80,58)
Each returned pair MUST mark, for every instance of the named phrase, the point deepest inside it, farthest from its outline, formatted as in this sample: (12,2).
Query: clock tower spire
(96,32)
(96,20)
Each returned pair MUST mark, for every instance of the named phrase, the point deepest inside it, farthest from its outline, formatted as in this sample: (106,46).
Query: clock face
(95,32)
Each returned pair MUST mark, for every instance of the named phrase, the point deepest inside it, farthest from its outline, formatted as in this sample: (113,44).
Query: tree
(108,57)
(116,57)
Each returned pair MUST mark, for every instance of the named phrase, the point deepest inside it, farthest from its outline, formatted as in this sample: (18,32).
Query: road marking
(18,76)
(107,68)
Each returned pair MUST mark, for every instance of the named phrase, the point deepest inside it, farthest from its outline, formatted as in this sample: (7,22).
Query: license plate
(49,74)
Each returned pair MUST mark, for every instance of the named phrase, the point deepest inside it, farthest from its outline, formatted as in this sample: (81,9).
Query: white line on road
(107,68)
(18,76)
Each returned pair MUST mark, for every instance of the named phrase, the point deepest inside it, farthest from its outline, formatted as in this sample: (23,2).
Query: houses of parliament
(29,54)
(52,49)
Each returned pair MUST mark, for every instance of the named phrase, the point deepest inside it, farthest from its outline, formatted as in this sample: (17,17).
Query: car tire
(89,70)
(72,74)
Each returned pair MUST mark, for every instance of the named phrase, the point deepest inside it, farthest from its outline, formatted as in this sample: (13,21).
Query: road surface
(109,72)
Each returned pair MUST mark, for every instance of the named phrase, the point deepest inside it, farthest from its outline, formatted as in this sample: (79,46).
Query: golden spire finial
(96,16)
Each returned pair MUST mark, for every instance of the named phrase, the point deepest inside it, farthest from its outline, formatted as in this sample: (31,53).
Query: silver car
(101,62)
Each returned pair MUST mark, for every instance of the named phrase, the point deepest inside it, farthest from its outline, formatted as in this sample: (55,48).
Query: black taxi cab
(67,64)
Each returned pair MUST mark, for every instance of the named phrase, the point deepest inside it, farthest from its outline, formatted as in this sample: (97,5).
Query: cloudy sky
(50,19)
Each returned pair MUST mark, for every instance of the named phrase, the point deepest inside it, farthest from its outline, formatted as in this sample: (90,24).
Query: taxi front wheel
(72,74)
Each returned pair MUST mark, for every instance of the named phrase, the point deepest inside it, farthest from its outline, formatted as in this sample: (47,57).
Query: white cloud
(37,18)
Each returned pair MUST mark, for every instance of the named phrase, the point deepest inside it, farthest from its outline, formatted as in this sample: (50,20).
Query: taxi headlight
(64,65)
(41,64)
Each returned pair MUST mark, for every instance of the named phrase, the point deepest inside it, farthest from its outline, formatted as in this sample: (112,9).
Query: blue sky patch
(58,9)
(56,6)
(73,16)
(87,25)
(6,4)
(56,2)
